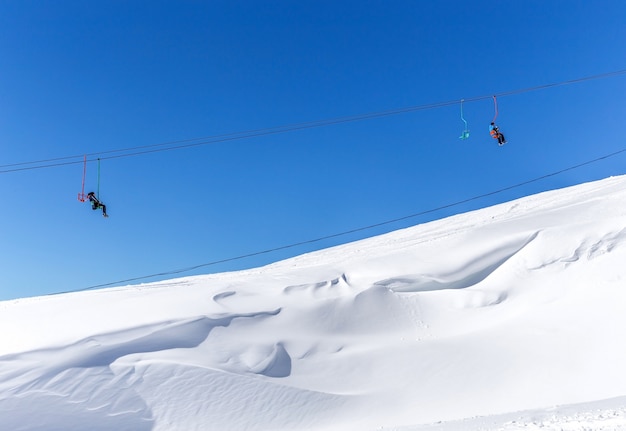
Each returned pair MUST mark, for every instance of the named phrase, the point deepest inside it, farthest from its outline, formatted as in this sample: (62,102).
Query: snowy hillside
(511,317)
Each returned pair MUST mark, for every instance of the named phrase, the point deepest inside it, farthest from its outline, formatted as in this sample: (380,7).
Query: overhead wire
(208,140)
(347,232)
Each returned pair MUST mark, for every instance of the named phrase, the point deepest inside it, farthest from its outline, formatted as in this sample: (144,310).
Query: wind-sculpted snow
(466,275)
(485,320)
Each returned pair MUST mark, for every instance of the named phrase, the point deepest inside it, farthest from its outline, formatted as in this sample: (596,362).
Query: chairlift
(465,134)
(82,197)
(495,106)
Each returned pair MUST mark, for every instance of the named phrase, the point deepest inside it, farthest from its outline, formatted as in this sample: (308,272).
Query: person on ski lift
(95,203)
(495,134)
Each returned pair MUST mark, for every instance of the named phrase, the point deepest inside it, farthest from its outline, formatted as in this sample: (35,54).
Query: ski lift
(494,131)
(98,189)
(81,196)
(495,105)
(465,134)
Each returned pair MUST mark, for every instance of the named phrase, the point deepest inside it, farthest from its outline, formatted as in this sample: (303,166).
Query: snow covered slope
(510,317)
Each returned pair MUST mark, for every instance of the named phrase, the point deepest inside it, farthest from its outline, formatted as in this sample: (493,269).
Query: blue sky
(92,77)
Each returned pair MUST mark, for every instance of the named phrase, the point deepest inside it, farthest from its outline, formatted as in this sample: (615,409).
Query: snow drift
(510,317)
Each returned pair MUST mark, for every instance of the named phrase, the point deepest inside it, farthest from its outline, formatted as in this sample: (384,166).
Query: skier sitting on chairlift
(495,134)
(95,203)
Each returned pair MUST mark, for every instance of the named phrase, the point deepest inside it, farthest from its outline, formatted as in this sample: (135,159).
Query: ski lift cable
(187,143)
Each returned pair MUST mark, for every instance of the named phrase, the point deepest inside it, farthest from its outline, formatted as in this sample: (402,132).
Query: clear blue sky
(82,77)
